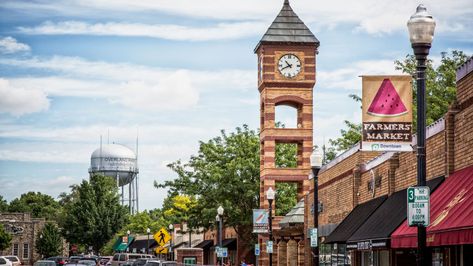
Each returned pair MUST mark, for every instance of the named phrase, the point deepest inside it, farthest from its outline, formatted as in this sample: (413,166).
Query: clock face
(289,65)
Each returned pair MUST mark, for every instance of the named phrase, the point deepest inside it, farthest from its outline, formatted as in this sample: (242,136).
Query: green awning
(121,246)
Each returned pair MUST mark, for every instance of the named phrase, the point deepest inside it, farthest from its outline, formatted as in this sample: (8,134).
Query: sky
(173,73)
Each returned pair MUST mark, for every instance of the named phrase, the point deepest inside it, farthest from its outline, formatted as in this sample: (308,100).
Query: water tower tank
(116,161)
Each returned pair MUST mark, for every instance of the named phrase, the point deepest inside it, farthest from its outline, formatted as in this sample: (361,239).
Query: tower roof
(288,28)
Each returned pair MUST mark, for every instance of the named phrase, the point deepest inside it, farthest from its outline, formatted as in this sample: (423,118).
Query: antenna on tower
(108,136)
(100,166)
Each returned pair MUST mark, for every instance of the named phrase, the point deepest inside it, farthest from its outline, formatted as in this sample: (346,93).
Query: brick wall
(343,183)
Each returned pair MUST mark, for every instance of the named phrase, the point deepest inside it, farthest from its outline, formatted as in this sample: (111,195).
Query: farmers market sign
(387,113)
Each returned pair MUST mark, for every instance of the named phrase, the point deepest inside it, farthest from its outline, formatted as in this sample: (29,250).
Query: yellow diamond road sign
(162,237)
(161,250)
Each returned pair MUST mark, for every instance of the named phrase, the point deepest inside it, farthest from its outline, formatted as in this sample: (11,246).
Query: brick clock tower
(286,76)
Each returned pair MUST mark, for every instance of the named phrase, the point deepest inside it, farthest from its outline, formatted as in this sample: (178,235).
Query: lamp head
(220,210)
(148,230)
(270,193)
(316,159)
(128,232)
(171,226)
(421,26)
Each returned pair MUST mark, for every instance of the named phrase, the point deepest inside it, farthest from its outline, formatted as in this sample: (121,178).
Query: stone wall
(27,230)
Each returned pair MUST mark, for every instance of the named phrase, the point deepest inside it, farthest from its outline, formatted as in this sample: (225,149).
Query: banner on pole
(387,113)
(260,221)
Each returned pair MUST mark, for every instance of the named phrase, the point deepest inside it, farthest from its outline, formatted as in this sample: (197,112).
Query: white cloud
(221,31)
(19,101)
(10,45)
(371,16)
(134,86)
(348,77)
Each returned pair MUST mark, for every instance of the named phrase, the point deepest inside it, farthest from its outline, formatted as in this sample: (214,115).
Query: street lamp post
(270,193)
(316,164)
(171,250)
(219,215)
(421,27)
(41,248)
(127,240)
(147,243)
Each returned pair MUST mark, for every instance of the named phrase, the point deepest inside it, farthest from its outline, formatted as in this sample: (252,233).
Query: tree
(440,93)
(440,82)
(3,204)
(50,242)
(141,221)
(5,238)
(94,215)
(38,204)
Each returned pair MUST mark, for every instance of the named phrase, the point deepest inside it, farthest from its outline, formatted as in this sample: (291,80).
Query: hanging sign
(260,221)
(387,113)
(313,237)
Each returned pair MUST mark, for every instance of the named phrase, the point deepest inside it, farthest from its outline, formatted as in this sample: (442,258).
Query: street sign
(269,247)
(313,237)
(257,251)
(161,250)
(418,206)
(162,237)
(222,252)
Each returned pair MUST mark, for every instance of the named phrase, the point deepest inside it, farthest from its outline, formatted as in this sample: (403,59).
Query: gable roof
(288,28)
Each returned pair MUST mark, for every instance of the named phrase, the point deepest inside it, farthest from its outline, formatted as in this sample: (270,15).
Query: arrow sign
(161,250)
(162,237)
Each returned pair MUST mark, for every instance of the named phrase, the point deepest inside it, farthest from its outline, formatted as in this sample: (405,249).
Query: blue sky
(175,72)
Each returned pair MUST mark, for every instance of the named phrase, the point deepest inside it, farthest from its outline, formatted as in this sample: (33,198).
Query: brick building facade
(356,177)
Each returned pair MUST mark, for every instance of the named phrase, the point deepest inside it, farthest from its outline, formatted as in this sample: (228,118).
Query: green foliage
(141,221)
(286,155)
(50,242)
(38,204)
(224,172)
(350,137)
(286,197)
(440,82)
(3,204)
(5,238)
(94,214)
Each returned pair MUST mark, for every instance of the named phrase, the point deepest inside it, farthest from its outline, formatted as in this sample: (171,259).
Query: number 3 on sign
(411,195)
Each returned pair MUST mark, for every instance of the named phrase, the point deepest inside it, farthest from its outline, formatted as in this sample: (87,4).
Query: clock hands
(287,65)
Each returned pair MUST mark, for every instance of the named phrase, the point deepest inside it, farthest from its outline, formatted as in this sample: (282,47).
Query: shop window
(26,251)
(15,249)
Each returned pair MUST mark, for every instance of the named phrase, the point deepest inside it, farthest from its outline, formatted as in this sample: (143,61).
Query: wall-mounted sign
(387,113)
(13,229)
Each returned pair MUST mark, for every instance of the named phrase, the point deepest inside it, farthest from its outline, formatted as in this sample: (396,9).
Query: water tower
(121,163)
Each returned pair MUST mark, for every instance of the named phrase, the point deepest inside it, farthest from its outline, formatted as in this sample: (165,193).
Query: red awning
(451,215)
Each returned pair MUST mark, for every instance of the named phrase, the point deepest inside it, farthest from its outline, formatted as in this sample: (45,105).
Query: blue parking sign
(257,250)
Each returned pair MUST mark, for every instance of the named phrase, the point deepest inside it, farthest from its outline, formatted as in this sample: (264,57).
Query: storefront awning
(354,220)
(451,215)
(123,245)
(205,244)
(141,244)
(376,230)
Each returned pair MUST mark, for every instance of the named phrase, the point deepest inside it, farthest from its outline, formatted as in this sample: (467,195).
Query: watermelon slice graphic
(387,101)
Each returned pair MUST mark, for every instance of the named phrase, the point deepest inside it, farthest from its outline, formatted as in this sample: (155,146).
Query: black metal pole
(315,250)
(147,245)
(271,229)
(220,236)
(421,51)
